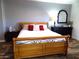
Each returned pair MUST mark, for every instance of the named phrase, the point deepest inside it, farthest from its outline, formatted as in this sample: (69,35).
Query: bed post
(15,51)
(67,40)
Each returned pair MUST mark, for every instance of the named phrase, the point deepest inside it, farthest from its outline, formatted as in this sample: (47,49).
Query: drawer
(62,30)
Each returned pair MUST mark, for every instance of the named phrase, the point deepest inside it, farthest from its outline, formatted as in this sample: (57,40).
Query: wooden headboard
(32,22)
(21,24)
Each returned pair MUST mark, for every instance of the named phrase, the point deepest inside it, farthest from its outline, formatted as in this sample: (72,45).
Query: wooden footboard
(22,50)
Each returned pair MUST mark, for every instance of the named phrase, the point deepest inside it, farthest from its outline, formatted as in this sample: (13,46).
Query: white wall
(1,24)
(23,10)
(13,11)
(75,19)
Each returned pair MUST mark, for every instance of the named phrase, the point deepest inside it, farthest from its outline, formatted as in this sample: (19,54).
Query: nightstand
(62,30)
(9,35)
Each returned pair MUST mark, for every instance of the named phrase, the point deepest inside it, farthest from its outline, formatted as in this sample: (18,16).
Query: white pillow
(45,26)
(36,27)
(26,26)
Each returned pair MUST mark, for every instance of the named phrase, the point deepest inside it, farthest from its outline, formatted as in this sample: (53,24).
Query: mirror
(62,16)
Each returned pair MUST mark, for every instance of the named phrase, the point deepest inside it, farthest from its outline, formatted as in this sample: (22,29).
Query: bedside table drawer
(62,30)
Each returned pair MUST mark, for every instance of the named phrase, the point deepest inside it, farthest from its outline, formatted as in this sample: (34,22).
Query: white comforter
(47,32)
(26,34)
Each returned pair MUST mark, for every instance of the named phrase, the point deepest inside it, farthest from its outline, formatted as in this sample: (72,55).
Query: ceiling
(57,1)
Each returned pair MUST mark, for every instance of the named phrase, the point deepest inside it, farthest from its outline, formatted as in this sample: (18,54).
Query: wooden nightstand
(9,35)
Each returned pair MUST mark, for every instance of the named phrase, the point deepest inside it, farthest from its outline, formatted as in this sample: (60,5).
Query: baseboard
(75,39)
(2,40)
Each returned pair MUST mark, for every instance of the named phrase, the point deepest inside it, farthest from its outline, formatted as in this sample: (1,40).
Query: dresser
(62,30)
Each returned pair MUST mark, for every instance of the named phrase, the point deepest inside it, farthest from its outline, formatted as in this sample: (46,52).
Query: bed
(38,43)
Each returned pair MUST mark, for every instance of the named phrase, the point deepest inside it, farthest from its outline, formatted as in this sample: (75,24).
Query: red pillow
(41,27)
(30,27)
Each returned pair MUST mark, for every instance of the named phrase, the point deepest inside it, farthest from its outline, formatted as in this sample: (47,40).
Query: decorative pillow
(41,27)
(30,27)
(35,26)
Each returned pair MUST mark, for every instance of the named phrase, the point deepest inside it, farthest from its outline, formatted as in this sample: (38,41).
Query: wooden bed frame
(39,49)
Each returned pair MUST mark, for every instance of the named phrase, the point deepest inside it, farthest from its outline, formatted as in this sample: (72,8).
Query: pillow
(25,27)
(36,27)
(41,27)
(30,27)
(45,26)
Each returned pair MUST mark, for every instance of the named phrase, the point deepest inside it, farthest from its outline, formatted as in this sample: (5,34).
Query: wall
(1,24)
(75,19)
(24,10)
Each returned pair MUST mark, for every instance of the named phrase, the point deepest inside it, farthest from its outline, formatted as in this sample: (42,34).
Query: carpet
(73,52)
(6,51)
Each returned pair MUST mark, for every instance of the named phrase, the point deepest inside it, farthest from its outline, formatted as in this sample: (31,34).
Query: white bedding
(25,33)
